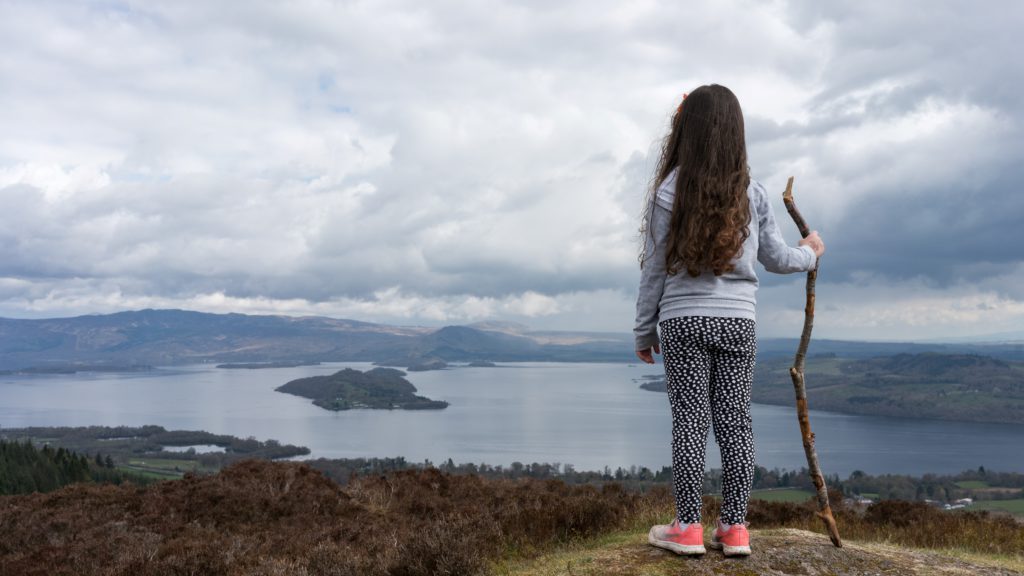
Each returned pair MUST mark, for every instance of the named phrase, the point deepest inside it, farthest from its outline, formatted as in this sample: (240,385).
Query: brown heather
(264,518)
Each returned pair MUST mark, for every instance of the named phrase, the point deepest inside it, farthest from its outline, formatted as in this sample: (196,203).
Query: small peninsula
(381,388)
(63,369)
(261,365)
(428,365)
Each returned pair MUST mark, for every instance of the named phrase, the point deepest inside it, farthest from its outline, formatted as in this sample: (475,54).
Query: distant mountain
(498,326)
(162,337)
(783,347)
(1013,337)
(168,337)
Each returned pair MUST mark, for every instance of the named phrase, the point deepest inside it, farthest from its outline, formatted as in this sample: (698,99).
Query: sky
(433,163)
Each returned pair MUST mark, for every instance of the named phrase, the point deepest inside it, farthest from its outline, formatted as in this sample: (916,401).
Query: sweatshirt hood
(666,194)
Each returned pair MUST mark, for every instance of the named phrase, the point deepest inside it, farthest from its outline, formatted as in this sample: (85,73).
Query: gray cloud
(489,160)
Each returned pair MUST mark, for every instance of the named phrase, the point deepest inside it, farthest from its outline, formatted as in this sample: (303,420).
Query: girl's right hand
(646,355)
(815,242)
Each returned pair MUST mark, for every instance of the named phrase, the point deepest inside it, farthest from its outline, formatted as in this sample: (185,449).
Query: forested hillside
(962,387)
(25,468)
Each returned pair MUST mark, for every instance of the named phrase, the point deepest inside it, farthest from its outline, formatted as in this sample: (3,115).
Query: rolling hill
(956,387)
(169,337)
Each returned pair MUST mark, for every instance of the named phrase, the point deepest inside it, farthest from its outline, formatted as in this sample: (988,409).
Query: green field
(164,463)
(1015,506)
(972,484)
(782,495)
(829,366)
(161,468)
(148,472)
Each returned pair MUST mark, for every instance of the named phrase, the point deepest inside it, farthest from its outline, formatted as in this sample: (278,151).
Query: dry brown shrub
(264,518)
(918,524)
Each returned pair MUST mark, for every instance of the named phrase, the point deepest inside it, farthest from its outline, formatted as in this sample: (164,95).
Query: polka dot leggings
(709,368)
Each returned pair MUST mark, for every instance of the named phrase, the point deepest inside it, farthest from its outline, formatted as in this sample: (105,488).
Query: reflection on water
(589,415)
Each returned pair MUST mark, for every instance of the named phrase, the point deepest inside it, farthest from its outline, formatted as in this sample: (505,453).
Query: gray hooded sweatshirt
(663,296)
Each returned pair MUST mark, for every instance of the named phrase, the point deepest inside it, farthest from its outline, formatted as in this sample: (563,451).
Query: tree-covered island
(346,389)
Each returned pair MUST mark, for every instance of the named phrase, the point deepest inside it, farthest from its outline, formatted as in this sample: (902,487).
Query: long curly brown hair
(711,213)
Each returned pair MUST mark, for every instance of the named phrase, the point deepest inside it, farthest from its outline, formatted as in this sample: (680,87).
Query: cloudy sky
(451,162)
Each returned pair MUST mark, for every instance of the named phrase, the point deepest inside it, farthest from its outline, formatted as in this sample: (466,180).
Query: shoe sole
(681,549)
(731,550)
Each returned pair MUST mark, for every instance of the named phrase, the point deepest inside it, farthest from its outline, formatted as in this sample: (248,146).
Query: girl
(704,224)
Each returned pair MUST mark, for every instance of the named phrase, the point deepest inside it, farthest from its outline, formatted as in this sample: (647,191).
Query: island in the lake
(428,365)
(382,388)
(962,387)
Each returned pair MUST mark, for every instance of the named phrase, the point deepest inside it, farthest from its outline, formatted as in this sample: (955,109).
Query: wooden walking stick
(797,373)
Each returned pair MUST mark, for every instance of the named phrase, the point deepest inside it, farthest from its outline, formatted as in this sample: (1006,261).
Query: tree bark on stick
(797,374)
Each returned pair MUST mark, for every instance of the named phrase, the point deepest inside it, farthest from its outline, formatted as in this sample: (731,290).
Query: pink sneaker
(732,540)
(674,537)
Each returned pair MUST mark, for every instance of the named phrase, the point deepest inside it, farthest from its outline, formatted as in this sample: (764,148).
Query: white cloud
(875,308)
(390,304)
(56,183)
(454,162)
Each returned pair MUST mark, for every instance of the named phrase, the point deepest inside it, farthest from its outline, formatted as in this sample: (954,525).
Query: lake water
(587,415)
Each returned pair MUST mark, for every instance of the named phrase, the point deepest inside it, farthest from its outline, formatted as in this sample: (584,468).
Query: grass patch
(782,495)
(589,557)
(1015,506)
(972,484)
(152,474)
(830,366)
(164,463)
(1014,562)
(1004,561)
(161,469)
